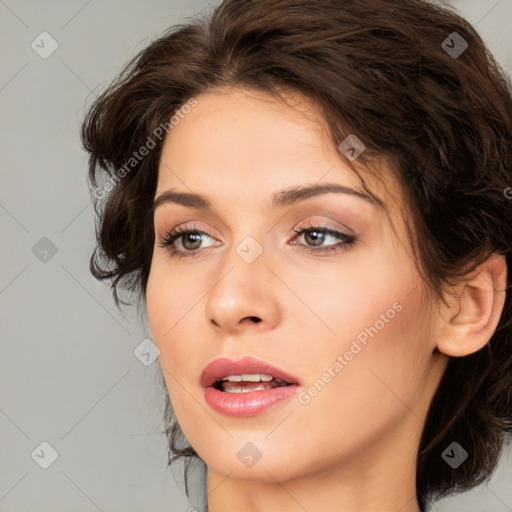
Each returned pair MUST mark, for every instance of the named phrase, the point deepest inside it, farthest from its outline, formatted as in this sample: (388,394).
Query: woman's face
(343,315)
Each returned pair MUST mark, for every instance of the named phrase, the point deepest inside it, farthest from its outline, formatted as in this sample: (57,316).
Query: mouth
(246,383)
(246,387)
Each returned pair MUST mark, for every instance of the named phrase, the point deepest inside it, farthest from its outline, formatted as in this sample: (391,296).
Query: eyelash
(347,240)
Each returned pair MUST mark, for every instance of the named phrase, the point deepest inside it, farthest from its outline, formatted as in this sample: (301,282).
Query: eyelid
(182,230)
(186,227)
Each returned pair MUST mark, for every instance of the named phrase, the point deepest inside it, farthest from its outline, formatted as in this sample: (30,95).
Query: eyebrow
(280,199)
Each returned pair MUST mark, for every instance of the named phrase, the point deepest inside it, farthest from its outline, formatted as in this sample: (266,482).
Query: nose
(249,319)
(243,296)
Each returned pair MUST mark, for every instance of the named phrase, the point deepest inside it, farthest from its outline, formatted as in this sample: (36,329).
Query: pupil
(316,236)
(187,239)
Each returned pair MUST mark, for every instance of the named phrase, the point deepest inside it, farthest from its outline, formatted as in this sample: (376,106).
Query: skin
(353,446)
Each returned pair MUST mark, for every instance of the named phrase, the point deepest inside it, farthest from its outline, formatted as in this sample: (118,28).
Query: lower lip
(252,403)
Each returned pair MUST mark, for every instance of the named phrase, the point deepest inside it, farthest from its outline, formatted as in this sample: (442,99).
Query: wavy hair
(393,73)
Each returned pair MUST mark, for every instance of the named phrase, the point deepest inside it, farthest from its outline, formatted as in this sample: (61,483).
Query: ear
(471,319)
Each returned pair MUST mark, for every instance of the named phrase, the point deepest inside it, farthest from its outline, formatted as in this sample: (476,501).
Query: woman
(311,200)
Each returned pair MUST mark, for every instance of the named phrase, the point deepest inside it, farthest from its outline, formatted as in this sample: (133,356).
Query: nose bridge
(243,265)
(242,289)
(247,240)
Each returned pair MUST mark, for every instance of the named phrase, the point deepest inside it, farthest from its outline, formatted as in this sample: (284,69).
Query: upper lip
(223,367)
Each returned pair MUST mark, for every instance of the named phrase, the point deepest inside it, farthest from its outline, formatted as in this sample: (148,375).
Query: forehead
(242,131)
(236,128)
(237,139)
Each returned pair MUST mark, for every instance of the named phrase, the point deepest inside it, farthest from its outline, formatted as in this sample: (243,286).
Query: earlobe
(472,317)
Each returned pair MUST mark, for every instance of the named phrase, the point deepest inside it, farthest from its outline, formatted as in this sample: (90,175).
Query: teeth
(233,378)
(239,389)
(249,377)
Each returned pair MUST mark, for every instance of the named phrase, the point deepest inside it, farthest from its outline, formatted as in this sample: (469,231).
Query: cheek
(373,289)
(170,301)
(380,330)
(175,309)
(170,294)
(384,313)
(385,354)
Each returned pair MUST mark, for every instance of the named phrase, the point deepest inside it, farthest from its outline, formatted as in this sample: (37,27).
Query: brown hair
(386,71)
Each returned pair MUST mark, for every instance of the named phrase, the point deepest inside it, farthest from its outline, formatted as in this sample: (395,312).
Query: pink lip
(244,404)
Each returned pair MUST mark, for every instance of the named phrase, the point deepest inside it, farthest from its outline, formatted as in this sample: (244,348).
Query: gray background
(68,373)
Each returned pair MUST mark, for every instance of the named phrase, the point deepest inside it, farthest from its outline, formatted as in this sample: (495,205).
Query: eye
(315,236)
(189,239)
